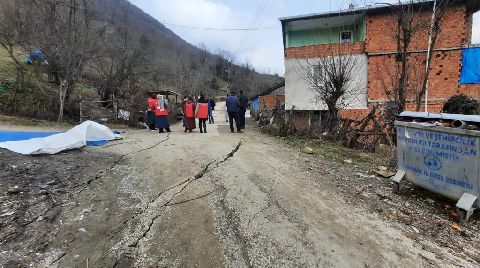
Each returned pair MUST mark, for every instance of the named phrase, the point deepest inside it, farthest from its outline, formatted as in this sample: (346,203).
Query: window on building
(346,37)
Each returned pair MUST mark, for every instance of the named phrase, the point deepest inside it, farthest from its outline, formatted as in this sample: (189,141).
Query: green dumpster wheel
(461,215)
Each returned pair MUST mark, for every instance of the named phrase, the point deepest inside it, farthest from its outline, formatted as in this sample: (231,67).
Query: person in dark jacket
(211,107)
(243,103)
(233,106)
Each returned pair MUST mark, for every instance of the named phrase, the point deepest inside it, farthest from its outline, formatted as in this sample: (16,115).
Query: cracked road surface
(219,199)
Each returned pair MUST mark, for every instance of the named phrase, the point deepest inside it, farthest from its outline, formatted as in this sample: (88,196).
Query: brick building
(369,34)
(269,98)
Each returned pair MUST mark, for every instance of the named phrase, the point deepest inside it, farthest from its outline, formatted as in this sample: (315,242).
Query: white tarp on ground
(76,137)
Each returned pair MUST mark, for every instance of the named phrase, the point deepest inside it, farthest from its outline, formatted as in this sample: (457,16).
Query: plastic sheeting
(470,66)
(23,135)
(77,137)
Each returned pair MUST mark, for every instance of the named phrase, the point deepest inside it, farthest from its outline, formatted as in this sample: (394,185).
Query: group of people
(201,109)
(157,113)
(236,107)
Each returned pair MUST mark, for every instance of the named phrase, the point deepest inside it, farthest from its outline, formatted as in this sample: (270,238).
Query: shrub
(461,104)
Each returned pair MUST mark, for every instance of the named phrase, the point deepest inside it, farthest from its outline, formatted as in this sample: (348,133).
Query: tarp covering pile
(87,133)
(470,66)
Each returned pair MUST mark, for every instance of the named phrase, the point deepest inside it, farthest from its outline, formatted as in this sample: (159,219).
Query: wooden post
(81,112)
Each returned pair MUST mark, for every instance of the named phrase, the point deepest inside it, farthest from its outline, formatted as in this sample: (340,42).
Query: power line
(254,21)
(219,29)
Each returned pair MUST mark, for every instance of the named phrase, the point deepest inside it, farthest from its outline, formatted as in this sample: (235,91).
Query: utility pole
(429,51)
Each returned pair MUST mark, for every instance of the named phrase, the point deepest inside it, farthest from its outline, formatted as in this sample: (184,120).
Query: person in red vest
(152,103)
(189,112)
(202,113)
(161,113)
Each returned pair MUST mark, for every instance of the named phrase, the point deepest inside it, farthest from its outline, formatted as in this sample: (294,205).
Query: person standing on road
(243,102)
(226,112)
(150,118)
(189,110)
(211,107)
(185,99)
(232,109)
(202,113)
(161,113)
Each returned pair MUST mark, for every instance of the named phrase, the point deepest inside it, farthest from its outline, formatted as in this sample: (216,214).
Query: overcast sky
(263,48)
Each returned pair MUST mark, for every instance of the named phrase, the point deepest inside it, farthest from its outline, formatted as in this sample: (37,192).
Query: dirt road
(186,200)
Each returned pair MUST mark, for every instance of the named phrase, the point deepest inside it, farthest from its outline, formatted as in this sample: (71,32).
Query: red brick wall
(270,101)
(445,67)
(382,29)
(324,50)
(381,38)
(354,114)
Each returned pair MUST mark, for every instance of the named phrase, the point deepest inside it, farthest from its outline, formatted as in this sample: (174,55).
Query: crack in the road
(58,258)
(117,161)
(232,223)
(269,203)
(97,176)
(184,184)
(190,200)
(273,201)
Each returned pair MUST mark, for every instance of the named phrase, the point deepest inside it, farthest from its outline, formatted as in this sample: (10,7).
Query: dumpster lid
(461,117)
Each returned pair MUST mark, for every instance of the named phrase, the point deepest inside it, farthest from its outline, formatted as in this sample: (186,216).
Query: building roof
(472,5)
(270,90)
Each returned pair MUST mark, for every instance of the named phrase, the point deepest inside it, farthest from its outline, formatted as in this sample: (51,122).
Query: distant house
(368,33)
(269,98)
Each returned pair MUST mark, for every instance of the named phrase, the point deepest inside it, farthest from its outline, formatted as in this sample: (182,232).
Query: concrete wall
(299,94)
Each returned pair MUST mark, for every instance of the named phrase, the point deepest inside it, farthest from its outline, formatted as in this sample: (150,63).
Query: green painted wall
(321,36)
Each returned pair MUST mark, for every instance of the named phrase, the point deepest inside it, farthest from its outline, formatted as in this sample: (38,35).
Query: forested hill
(185,67)
(104,49)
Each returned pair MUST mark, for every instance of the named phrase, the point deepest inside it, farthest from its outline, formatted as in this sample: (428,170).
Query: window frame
(351,37)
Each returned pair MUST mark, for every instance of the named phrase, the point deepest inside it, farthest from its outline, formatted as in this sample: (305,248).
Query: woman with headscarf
(202,113)
(189,110)
(152,105)
(162,114)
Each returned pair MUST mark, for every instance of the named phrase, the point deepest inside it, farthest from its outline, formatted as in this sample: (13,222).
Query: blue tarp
(23,135)
(470,66)
(255,104)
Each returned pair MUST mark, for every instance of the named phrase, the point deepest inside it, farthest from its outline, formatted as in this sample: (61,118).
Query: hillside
(114,50)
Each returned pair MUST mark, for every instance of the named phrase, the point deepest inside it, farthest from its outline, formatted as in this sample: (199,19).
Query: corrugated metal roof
(270,90)
(360,9)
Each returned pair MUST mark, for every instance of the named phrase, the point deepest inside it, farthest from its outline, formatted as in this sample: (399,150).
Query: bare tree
(13,27)
(439,11)
(121,56)
(84,44)
(333,81)
(408,25)
(68,35)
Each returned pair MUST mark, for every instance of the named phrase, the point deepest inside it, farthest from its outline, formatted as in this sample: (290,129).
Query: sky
(263,48)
